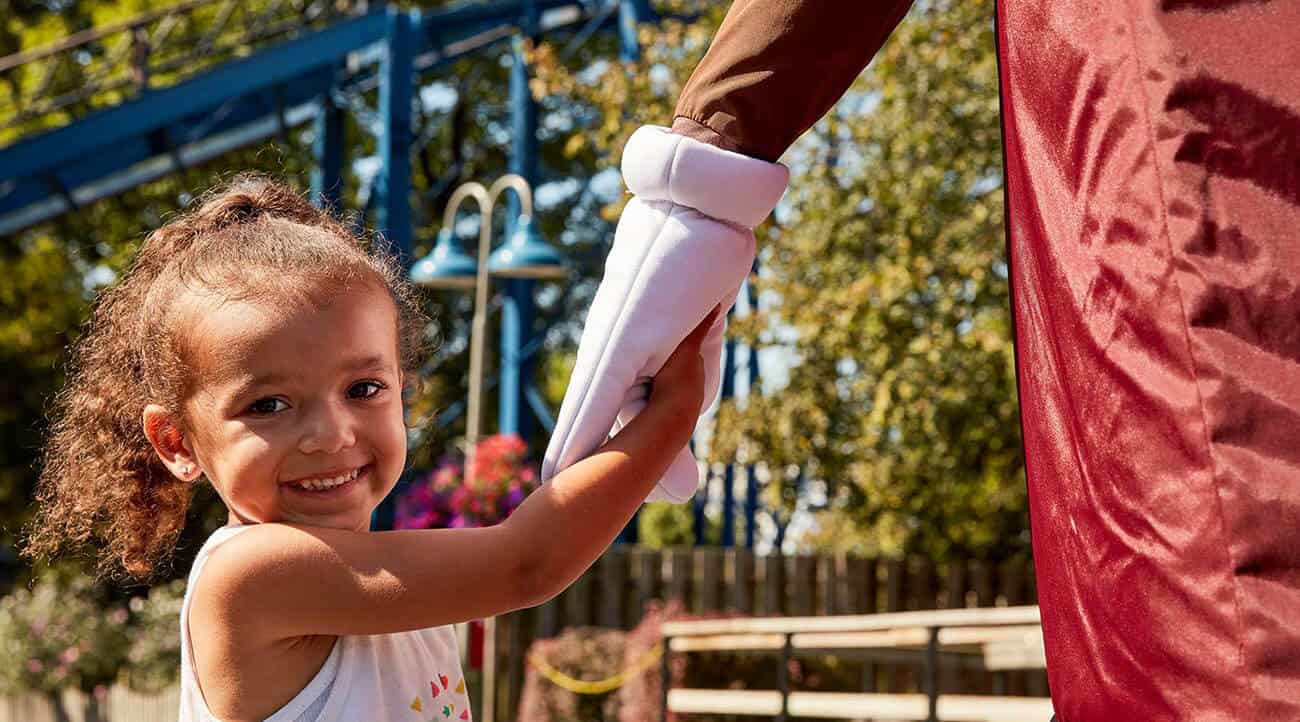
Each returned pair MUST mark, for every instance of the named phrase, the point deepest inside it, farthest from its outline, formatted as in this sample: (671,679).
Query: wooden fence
(615,591)
(120,705)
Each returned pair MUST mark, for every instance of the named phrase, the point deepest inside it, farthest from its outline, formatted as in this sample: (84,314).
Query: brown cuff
(776,66)
(703,133)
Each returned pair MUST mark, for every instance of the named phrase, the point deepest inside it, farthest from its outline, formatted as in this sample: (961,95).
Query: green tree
(884,277)
(889,267)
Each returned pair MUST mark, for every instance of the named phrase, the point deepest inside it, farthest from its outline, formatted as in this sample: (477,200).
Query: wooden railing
(615,591)
(1000,638)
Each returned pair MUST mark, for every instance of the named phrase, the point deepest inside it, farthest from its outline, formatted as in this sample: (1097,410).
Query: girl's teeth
(319,484)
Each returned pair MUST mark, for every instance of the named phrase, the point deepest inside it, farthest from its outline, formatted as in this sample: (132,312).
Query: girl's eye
(364,389)
(267,406)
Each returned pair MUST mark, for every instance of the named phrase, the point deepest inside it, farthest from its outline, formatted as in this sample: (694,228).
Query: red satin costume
(1153,205)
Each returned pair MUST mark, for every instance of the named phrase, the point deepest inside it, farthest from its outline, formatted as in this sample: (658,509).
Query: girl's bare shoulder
(281,581)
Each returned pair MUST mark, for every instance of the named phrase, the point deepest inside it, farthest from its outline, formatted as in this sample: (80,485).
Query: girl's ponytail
(100,477)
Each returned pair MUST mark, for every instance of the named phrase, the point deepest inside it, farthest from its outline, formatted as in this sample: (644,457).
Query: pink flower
(35,666)
(493,485)
(460,499)
(423,519)
(445,477)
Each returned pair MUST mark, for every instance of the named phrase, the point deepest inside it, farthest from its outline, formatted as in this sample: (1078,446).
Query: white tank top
(409,676)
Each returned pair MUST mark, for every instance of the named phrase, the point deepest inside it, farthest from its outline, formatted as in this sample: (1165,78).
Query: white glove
(684,244)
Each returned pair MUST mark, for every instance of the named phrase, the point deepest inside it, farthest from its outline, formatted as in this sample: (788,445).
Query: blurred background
(865,456)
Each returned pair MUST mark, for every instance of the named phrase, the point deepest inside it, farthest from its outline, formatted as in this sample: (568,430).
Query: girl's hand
(679,385)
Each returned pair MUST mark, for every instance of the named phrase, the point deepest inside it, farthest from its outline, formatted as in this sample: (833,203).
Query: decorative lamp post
(524,255)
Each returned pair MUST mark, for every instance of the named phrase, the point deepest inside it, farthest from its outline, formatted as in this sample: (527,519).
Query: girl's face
(296,412)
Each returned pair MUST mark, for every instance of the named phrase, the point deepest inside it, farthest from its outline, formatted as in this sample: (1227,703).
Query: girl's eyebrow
(246,385)
(365,363)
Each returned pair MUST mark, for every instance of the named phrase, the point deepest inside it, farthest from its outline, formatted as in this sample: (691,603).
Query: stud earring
(185,470)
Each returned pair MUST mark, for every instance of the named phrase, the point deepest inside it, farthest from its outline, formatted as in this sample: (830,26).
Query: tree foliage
(889,268)
(884,277)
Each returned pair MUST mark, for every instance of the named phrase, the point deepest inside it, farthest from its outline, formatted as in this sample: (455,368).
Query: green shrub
(154,656)
(66,631)
(61,632)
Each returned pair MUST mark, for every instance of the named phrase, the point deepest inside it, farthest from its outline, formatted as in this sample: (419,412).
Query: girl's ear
(168,440)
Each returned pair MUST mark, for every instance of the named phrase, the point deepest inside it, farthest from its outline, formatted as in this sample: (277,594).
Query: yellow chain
(599,686)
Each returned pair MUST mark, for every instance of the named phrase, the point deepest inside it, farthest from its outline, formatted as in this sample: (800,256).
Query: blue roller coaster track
(111,108)
(235,77)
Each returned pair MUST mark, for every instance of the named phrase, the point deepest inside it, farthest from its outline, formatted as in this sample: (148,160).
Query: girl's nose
(329,430)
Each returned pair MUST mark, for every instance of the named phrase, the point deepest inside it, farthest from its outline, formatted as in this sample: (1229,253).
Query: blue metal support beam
(540,410)
(729,474)
(755,387)
(393,186)
(518,310)
(517,315)
(270,67)
(327,146)
(630,14)
(234,105)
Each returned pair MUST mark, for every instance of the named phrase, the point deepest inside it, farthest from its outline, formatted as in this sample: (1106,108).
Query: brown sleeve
(776,66)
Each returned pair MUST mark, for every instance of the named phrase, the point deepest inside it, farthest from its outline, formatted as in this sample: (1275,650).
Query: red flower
(501,478)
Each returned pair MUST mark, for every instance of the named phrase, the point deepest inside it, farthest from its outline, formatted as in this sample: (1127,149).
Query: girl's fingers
(689,348)
(696,337)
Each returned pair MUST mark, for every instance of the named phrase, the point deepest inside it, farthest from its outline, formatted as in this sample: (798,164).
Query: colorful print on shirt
(445,703)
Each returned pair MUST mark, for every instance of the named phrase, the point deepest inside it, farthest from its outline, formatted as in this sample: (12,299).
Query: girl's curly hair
(251,239)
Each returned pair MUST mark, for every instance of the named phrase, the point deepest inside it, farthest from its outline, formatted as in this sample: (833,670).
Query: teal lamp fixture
(447,266)
(526,255)
(523,255)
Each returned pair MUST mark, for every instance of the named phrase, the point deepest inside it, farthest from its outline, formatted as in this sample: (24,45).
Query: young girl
(258,344)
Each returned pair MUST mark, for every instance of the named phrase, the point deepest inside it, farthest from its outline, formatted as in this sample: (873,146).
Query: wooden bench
(999,638)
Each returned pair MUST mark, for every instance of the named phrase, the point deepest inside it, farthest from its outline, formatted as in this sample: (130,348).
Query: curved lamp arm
(519,185)
(484,200)
(463,191)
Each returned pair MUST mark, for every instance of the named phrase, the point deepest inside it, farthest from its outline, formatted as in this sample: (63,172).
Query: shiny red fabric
(1153,184)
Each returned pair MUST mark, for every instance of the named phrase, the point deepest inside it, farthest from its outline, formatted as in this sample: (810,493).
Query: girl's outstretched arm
(278,581)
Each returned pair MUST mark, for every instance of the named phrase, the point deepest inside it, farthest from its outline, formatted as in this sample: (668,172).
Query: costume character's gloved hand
(684,244)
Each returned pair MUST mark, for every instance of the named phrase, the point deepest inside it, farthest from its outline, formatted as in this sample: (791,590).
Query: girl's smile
(324,482)
(326,490)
